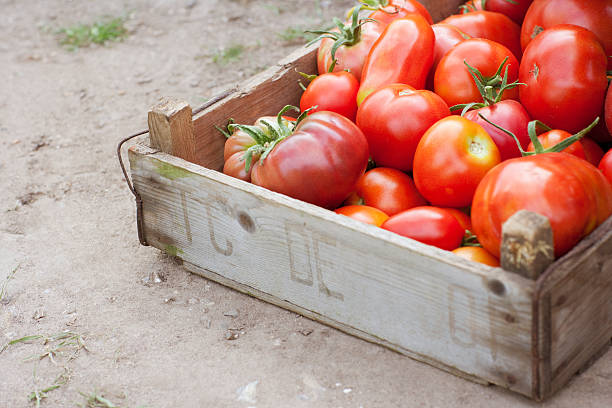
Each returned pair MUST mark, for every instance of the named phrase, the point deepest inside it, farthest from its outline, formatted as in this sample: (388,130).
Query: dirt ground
(142,331)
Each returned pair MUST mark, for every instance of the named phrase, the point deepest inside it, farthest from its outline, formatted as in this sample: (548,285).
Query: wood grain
(434,305)
(171,128)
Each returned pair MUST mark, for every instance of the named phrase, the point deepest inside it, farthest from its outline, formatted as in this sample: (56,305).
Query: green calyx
(347,34)
(491,88)
(532,129)
(266,139)
(469,239)
(471,5)
(374,4)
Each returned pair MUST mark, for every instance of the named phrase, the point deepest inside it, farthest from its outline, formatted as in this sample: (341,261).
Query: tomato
(515,9)
(394,118)
(393,56)
(554,136)
(363,213)
(608,110)
(239,142)
(491,26)
(453,80)
(319,161)
(605,165)
(390,10)
(354,41)
(429,225)
(447,36)
(592,151)
(332,91)
(594,15)
(510,115)
(464,220)
(565,72)
(569,191)
(451,159)
(389,190)
(477,254)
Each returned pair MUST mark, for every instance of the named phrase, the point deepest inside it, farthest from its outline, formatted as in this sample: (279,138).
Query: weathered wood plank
(171,128)
(458,313)
(579,286)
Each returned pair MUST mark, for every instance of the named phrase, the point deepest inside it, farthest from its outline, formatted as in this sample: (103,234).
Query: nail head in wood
(171,128)
(527,244)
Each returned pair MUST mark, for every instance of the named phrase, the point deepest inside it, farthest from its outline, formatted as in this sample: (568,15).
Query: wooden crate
(486,324)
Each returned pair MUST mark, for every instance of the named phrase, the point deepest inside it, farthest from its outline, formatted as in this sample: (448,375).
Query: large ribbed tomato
(318,162)
(569,191)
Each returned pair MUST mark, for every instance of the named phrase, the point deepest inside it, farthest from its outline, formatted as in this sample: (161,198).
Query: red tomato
(388,11)
(594,15)
(319,162)
(608,110)
(394,118)
(464,220)
(332,91)
(363,213)
(429,225)
(515,9)
(393,55)
(490,25)
(570,192)
(510,115)
(592,151)
(237,144)
(447,36)
(351,55)
(552,137)
(605,165)
(451,159)
(389,190)
(477,254)
(565,72)
(453,80)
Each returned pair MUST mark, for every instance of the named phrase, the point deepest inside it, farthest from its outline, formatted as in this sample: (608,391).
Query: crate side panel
(440,9)
(474,318)
(581,306)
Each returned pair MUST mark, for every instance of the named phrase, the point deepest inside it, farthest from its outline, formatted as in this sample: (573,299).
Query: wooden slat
(436,306)
(171,128)
(579,288)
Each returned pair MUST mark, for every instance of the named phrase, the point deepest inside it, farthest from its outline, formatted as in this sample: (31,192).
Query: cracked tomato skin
(451,159)
(569,191)
(594,15)
(394,118)
(319,163)
(564,68)
(429,225)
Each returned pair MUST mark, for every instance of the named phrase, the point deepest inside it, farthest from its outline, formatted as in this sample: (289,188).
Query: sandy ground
(155,335)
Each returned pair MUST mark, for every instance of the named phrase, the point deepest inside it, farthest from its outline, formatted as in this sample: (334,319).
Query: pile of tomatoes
(459,124)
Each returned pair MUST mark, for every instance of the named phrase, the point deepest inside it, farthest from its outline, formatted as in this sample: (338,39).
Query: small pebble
(231,313)
(347,390)
(230,335)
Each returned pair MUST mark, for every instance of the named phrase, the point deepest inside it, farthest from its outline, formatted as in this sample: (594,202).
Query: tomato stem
(491,88)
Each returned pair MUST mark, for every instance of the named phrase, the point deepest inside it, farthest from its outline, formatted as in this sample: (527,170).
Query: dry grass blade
(94,400)
(6,281)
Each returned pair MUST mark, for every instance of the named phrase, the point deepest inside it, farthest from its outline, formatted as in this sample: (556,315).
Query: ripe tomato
(605,165)
(363,213)
(318,162)
(394,118)
(389,190)
(453,80)
(515,9)
(332,91)
(464,220)
(390,10)
(608,110)
(554,136)
(447,36)
(565,72)
(570,192)
(429,225)
(477,254)
(594,15)
(355,40)
(510,115)
(393,55)
(592,151)
(239,142)
(491,26)
(451,159)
